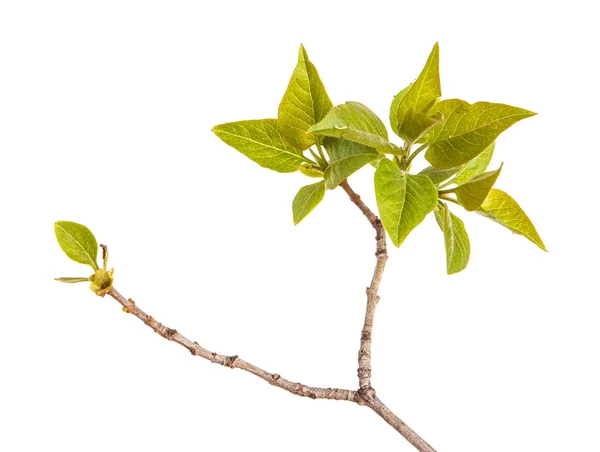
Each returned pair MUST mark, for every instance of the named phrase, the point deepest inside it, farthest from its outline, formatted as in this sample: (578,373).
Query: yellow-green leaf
(355,122)
(72,280)
(394,108)
(307,199)
(310,170)
(467,130)
(304,103)
(416,125)
(403,199)
(345,157)
(437,175)
(472,193)
(420,95)
(77,242)
(476,166)
(456,240)
(501,208)
(261,141)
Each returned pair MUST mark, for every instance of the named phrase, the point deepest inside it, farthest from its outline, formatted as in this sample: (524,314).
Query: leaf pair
(499,207)
(79,244)
(410,115)
(277,144)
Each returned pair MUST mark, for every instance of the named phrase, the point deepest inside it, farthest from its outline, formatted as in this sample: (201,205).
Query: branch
(364,354)
(364,396)
(233,362)
(366,392)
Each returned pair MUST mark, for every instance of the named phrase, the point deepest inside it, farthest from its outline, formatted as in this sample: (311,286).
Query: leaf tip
(302,54)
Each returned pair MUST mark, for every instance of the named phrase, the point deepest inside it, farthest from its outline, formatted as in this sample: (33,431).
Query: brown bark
(364,396)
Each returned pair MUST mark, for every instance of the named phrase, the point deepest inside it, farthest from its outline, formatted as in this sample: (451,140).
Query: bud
(310,170)
(102,281)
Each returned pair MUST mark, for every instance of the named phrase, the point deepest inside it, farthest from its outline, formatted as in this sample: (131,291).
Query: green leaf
(458,247)
(307,199)
(437,175)
(355,122)
(394,108)
(304,103)
(72,280)
(476,166)
(471,194)
(310,170)
(403,199)
(468,130)
(420,95)
(345,157)
(77,242)
(416,125)
(501,208)
(261,141)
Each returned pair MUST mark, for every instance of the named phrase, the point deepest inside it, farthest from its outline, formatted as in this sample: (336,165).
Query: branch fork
(364,396)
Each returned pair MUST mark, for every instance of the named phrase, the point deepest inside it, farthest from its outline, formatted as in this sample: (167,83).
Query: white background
(106,111)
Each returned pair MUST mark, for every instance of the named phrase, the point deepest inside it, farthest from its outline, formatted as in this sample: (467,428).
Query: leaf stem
(414,154)
(320,162)
(447,198)
(320,149)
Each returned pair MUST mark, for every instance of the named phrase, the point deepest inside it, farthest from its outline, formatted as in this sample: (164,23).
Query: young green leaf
(416,125)
(394,108)
(437,175)
(77,242)
(310,170)
(501,208)
(420,95)
(403,199)
(304,103)
(456,240)
(261,141)
(307,199)
(345,157)
(476,166)
(468,130)
(355,122)
(72,280)
(471,194)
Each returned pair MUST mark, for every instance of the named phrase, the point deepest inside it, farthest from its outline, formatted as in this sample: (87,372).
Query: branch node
(169,333)
(276,376)
(367,393)
(230,361)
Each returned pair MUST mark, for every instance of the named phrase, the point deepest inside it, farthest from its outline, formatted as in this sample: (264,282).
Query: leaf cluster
(330,143)
(80,245)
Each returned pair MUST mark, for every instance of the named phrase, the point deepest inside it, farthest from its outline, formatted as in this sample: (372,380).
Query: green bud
(102,281)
